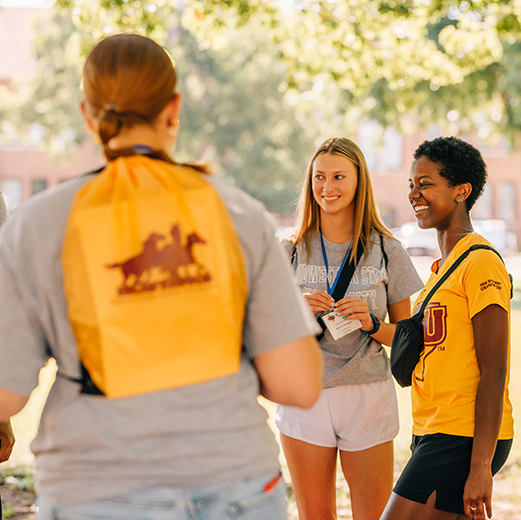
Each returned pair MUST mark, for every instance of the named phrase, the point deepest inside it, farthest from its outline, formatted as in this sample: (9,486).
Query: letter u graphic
(435,324)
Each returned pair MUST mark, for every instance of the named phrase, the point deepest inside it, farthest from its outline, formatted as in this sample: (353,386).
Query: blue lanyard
(141,149)
(330,289)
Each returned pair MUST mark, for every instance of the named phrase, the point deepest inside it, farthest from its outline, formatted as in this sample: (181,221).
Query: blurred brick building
(25,170)
(390,161)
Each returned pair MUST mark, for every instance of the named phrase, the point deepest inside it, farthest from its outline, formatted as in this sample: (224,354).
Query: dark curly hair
(460,162)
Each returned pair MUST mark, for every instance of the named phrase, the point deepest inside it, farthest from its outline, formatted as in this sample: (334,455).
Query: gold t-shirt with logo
(446,379)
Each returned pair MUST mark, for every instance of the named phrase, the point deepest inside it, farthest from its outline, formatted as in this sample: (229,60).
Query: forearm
(396,311)
(292,373)
(488,414)
(385,333)
(491,343)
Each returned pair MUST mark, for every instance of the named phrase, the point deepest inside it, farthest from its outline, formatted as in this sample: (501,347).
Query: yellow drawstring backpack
(155,279)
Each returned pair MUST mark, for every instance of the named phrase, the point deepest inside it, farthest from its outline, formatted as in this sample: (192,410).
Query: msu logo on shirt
(434,332)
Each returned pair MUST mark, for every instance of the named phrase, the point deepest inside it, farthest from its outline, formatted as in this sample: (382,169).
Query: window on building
(38,185)
(483,210)
(12,189)
(507,201)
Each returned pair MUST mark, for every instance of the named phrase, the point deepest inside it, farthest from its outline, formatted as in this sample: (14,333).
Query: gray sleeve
(23,345)
(276,312)
(288,246)
(404,281)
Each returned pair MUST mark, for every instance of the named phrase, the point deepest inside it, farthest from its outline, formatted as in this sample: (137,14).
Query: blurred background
(264,82)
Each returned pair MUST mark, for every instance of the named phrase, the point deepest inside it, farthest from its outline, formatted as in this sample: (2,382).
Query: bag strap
(384,254)
(293,254)
(347,273)
(451,270)
(345,276)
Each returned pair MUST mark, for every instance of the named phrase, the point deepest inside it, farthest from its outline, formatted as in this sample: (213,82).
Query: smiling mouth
(420,207)
(330,199)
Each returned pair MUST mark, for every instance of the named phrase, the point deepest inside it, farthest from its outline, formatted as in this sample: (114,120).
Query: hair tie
(112,107)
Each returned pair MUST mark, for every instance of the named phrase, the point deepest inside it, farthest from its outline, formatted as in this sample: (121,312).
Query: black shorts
(441,463)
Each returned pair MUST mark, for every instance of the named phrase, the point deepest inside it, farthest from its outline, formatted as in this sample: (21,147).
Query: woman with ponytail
(151,284)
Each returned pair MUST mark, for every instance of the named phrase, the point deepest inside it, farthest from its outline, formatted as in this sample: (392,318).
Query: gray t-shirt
(345,362)
(88,446)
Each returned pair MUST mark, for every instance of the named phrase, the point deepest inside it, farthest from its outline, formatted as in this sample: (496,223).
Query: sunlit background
(264,82)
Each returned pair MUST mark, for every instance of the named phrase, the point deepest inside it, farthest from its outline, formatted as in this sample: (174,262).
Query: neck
(449,237)
(144,135)
(337,228)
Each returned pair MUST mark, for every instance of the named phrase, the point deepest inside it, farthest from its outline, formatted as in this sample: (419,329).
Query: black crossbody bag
(407,341)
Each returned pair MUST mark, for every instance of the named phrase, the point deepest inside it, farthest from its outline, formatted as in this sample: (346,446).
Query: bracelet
(376,325)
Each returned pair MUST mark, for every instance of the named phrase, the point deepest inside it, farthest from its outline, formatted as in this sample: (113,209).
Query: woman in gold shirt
(462,416)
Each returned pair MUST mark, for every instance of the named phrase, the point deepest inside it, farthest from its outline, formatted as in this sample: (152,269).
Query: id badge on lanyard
(337,324)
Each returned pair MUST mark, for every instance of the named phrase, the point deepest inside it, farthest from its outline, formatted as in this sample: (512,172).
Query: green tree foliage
(264,80)
(234,112)
(448,62)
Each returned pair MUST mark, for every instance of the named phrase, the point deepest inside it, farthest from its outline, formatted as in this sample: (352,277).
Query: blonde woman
(356,415)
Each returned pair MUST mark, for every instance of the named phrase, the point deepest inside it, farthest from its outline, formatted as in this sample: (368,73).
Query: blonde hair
(366,213)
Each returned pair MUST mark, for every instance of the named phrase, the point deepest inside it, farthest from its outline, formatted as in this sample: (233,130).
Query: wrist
(375,325)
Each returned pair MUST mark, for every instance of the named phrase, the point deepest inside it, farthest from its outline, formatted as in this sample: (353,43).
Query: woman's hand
(319,300)
(477,496)
(355,309)
(6,441)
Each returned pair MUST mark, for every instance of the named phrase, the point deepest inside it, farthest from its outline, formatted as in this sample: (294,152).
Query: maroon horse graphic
(173,260)
(139,264)
(174,256)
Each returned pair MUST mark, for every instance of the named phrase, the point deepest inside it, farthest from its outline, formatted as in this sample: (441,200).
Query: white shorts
(350,418)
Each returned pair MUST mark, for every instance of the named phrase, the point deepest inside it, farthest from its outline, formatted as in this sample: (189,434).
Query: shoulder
(483,255)
(288,244)
(484,261)
(243,208)
(254,225)
(386,243)
(46,210)
(484,277)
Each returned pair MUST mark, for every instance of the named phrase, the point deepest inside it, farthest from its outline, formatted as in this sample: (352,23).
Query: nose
(328,185)
(413,193)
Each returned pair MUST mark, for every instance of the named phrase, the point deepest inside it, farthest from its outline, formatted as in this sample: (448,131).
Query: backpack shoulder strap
(294,253)
(347,273)
(384,254)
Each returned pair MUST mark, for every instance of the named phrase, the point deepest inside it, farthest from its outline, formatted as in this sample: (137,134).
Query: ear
(463,190)
(88,120)
(172,109)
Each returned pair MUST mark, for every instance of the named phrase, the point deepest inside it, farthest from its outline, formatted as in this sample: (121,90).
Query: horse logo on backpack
(162,265)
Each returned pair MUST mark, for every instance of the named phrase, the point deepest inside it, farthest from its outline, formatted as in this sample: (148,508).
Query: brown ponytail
(128,79)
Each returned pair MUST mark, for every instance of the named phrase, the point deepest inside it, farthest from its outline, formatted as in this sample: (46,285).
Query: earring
(461,199)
